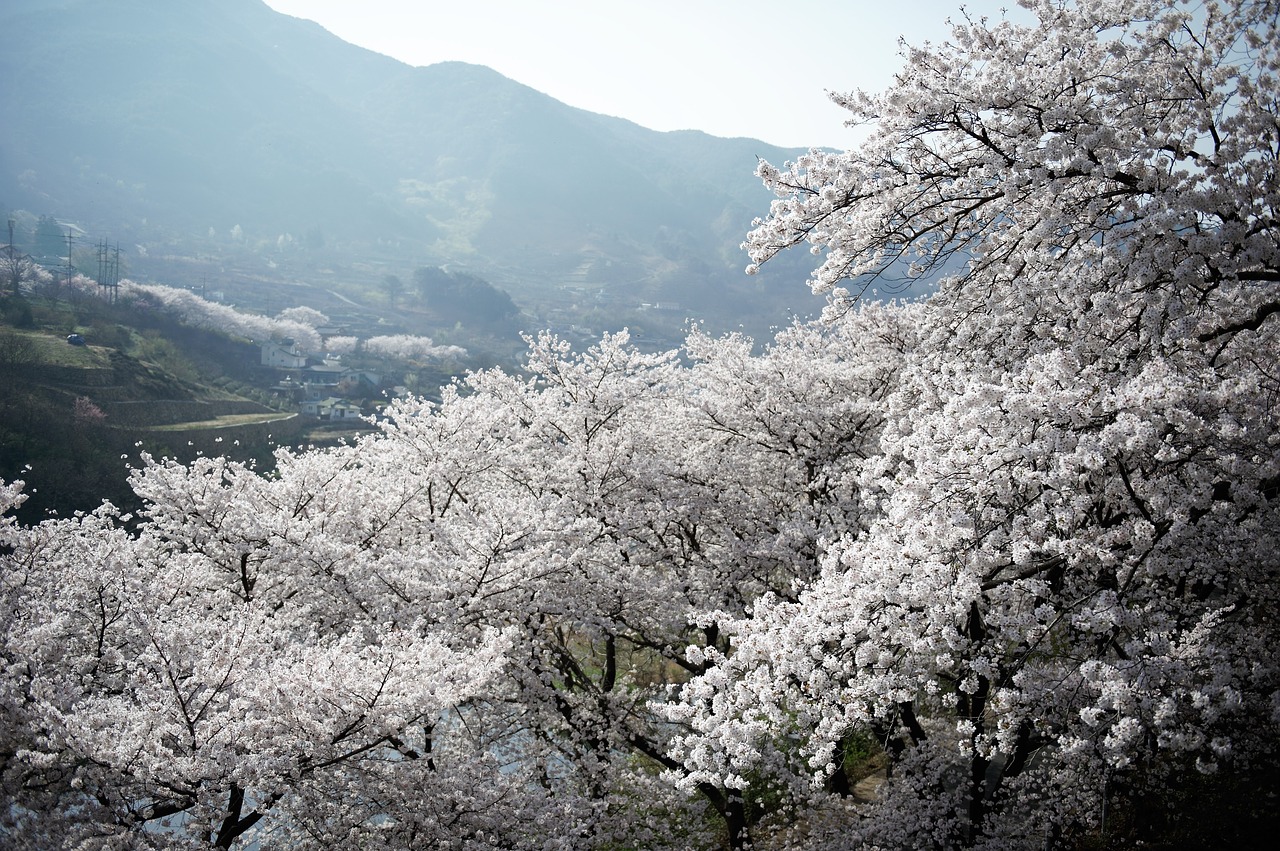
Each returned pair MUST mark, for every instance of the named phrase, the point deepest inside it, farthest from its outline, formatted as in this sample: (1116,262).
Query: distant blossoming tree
(296,323)
(410,347)
(86,412)
(16,269)
(341,345)
(306,315)
(202,313)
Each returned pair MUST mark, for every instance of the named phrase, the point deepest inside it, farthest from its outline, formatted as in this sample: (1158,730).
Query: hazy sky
(728,67)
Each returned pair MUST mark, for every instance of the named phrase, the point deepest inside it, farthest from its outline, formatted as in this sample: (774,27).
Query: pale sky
(727,67)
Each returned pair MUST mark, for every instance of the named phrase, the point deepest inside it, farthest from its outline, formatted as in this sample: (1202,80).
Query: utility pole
(70,266)
(115,273)
(102,264)
(109,270)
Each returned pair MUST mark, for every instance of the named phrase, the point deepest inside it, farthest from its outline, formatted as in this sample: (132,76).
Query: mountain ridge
(168,123)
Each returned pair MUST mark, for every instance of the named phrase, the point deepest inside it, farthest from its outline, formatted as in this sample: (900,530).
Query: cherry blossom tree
(410,347)
(341,344)
(16,269)
(1064,597)
(450,631)
(296,323)
(308,316)
(188,683)
(630,502)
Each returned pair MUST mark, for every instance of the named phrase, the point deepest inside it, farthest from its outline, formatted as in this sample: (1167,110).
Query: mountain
(163,123)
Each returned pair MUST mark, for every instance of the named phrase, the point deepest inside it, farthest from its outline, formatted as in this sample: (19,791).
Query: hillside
(226,129)
(72,417)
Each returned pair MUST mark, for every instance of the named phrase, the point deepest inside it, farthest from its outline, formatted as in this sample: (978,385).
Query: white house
(283,355)
(332,408)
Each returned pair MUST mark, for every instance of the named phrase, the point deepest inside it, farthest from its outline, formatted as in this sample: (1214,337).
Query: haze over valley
(226,147)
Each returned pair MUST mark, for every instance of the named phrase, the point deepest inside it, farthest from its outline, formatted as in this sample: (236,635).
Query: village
(322,386)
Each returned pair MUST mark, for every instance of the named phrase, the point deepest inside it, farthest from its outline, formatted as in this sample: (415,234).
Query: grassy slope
(72,418)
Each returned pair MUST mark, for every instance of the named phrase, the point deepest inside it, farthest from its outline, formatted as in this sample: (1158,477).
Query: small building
(283,355)
(332,408)
(364,377)
(329,372)
(341,409)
